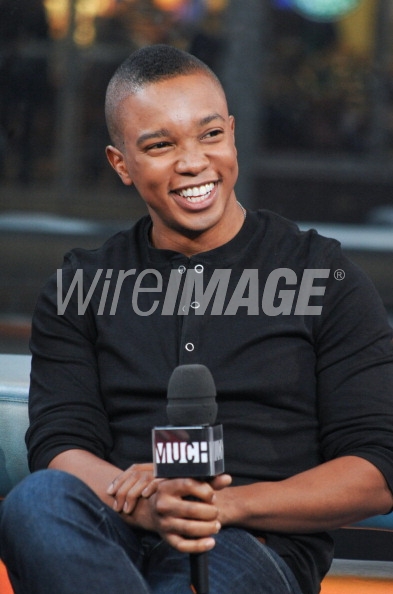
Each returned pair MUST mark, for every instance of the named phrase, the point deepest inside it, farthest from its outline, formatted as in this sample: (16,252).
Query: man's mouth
(196,193)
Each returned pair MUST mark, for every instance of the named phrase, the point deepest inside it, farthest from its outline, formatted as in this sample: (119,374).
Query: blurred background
(310,83)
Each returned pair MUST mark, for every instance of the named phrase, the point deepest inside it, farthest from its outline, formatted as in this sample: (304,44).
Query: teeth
(197,192)
(196,199)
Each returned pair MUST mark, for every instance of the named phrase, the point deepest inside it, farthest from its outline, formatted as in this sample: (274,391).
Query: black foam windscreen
(191,396)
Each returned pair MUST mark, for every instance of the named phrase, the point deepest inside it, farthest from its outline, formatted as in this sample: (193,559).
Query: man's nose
(192,161)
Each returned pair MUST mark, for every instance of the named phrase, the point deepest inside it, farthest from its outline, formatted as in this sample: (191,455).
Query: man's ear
(116,159)
(232,126)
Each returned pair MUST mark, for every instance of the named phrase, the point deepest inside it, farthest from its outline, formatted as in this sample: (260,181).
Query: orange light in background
(94,8)
(169,5)
(213,6)
(86,11)
(216,5)
(58,16)
(357,30)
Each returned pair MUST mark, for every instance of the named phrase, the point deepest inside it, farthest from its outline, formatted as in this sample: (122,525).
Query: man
(302,362)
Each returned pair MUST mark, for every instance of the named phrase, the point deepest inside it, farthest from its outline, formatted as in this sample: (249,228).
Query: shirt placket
(190,328)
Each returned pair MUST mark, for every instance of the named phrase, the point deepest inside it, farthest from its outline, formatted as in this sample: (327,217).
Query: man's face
(178,150)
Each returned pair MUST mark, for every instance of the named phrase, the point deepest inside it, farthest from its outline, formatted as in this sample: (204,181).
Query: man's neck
(190,243)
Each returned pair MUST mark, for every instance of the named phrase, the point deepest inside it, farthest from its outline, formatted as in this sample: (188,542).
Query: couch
(14,385)
(347,576)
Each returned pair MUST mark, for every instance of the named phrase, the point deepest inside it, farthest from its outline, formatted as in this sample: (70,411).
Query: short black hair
(148,65)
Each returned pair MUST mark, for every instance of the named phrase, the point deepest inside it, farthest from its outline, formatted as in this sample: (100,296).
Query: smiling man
(174,140)
(304,393)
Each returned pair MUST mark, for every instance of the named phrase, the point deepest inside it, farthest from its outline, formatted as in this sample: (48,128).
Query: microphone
(192,446)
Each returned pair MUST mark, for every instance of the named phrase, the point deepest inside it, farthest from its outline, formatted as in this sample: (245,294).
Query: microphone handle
(199,565)
(199,573)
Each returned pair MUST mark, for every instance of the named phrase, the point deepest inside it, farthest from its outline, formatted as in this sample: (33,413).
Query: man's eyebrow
(163,133)
(211,118)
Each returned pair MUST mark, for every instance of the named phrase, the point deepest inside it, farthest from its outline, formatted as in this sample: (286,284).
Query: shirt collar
(223,255)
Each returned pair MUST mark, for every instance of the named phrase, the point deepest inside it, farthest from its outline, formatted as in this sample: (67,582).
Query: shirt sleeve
(65,404)
(355,369)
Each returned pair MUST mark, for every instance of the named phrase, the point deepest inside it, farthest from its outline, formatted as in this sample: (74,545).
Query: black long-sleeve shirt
(304,371)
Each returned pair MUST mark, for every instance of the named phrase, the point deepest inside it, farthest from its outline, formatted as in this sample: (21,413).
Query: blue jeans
(57,537)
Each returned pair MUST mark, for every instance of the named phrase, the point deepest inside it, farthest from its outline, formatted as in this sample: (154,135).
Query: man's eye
(213,133)
(158,145)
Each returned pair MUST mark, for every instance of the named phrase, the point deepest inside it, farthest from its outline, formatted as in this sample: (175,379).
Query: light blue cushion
(377,522)
(14,388)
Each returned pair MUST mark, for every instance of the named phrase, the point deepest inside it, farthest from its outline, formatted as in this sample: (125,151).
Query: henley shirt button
(189,347)
(198,268)
(182,269)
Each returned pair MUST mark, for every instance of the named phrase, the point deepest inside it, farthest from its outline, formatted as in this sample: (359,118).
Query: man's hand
(182,511)
(128,486)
